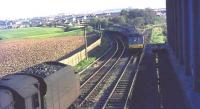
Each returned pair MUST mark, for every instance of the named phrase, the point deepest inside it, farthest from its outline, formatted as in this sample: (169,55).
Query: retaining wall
(76,58)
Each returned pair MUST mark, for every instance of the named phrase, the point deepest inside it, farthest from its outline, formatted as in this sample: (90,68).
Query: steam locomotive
(50,85)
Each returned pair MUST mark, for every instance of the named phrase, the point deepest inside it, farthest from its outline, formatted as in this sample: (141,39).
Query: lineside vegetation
(157,36)
(93,56)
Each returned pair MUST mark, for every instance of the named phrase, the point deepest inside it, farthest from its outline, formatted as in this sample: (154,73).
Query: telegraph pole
(85,40)
(101,32)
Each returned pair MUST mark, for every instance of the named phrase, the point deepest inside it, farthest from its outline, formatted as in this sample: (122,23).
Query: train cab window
(35,101)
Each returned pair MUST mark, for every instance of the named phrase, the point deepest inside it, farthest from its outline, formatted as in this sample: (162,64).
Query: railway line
(97,77)
(101,90)
(120,93)
(111,82)
(86,74)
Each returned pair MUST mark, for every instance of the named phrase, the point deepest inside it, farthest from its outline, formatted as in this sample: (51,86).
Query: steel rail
(121,54)
(120,78)
(83,93)
(101,66)
(105,53)
(134,79)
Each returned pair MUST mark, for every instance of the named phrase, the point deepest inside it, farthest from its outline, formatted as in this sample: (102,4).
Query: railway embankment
(94,54)
(80,60)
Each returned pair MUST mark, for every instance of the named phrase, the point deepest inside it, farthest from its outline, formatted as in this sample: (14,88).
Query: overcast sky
(11,9)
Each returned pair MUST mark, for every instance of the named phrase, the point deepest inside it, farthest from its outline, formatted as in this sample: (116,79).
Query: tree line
(145,21)
(132,17)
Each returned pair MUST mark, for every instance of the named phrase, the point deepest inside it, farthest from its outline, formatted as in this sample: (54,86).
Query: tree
(124,12)
(89,29)
(160,20)
(139,22)
(157,36)
(133,13)
(119,20)
(147,14)
(104,22)
(66,28)
(99,21)
(164,27)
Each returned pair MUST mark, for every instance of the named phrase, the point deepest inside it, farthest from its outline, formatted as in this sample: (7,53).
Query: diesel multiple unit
(135,41)
(132,37)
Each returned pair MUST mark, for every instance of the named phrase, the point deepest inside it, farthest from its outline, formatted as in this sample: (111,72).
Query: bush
(66,28)
(89,29)
(157,36)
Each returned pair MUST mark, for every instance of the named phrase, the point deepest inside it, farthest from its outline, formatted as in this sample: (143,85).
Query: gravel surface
(16,55)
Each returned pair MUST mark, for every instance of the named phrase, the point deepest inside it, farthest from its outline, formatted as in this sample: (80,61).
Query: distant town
(62,20)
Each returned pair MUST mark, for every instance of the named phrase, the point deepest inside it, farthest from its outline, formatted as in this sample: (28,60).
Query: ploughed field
(25,47)
(16,55)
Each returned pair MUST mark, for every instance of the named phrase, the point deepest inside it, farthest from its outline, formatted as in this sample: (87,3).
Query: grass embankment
(157,36)
(86,62)
(37,32)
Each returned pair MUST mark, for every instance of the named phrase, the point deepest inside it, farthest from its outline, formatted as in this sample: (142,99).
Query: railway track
(102,90)
(96,79)
(120,93)
(94,68)
(99,87)
(104,68)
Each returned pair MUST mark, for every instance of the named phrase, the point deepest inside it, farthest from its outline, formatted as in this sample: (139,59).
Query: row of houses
(61,20)
(22,23)
(160,12)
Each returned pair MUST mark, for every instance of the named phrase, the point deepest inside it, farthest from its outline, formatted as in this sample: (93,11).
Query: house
(160,12)
(90,17)
(103,15)
(81,19)
(3,25)
(72,19)
(115,14)
(35,22)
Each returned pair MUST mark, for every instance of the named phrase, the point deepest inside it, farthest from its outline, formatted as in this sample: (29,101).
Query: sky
(13,9)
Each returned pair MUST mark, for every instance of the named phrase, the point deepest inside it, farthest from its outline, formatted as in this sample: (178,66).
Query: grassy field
(37,32)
